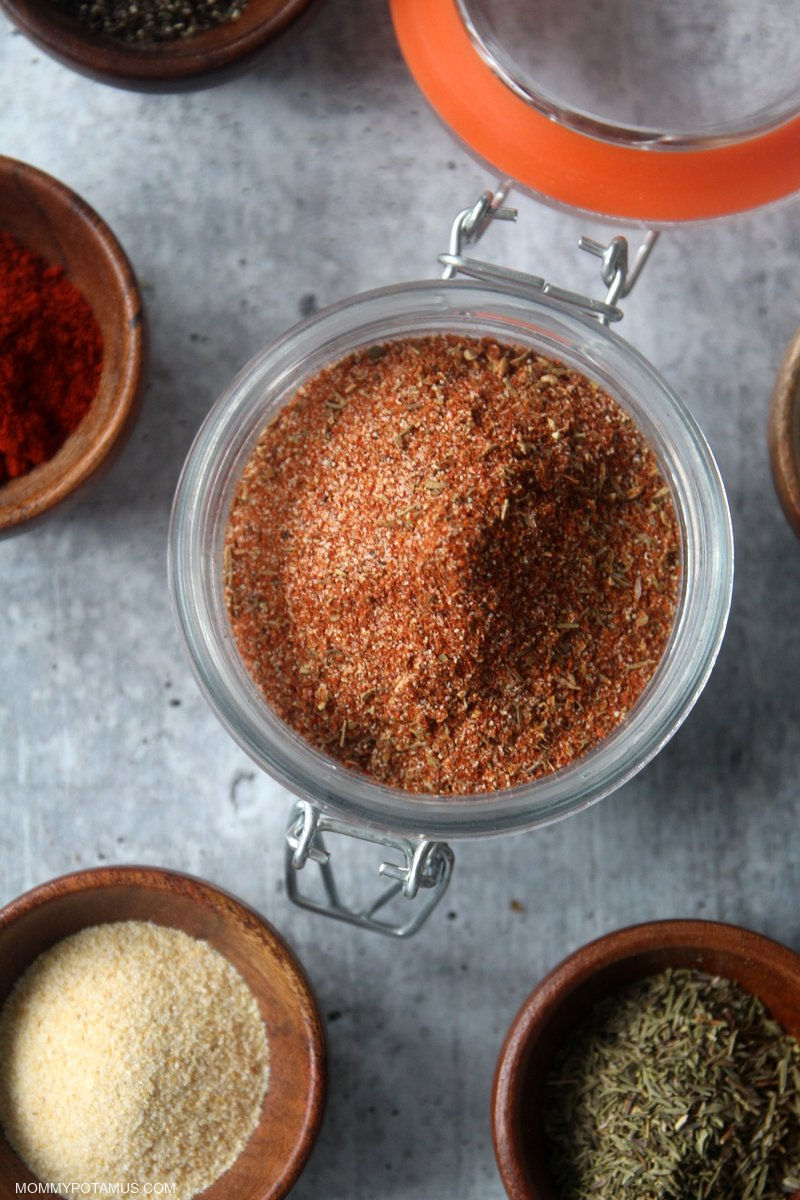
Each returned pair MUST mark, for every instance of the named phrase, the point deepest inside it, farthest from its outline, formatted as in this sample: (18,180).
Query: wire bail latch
(422,874)
(471,224)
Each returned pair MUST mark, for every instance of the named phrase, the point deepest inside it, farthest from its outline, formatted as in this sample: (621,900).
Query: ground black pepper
(151,20)
(452,564)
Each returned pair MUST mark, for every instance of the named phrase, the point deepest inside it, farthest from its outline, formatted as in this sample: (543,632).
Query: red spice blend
(452,564)
(51,356)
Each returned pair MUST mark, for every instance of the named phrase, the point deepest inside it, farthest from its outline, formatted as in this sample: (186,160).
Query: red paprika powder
(51,356)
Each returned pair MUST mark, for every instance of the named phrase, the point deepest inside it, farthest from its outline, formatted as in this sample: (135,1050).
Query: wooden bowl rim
(56,482)
(115,61)
(783,433)
(208,895)
(573,972)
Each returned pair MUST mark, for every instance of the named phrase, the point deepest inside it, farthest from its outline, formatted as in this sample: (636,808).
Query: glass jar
(332,797)
(491,69)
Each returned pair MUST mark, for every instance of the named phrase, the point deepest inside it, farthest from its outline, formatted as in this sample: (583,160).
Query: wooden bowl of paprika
(72,344)
(633,1004)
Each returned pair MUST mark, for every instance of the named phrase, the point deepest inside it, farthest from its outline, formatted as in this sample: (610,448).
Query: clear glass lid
(657,112)
(667,70)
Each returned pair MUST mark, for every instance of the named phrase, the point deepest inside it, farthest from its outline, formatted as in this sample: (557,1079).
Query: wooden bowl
(276,1153)
(179,65)
(563,1000)
(784,434)
(48,218)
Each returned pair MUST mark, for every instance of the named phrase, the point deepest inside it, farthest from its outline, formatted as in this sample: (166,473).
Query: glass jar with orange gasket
(557,148)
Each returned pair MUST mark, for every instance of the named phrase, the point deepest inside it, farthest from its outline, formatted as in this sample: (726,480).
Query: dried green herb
(678,1087)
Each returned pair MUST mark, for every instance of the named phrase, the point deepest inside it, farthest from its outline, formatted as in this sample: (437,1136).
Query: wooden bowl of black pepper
(88,901)
(154,45)
(544,1044)
(58,258)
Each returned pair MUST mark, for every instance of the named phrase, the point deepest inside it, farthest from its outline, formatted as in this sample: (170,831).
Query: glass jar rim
(499,57)
(214,465)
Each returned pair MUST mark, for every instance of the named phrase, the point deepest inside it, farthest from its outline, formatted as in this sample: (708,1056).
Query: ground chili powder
(51,355)
(452,564)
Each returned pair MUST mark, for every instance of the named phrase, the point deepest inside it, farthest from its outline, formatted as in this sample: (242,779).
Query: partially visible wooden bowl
(276,1153)
(564,998)
(179,65)
(50,219)
(784,434)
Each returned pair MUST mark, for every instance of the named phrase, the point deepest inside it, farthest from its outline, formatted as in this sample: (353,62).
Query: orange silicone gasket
(637,183)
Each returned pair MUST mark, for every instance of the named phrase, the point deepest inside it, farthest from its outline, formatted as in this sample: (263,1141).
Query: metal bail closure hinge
(422,875)
(471,223)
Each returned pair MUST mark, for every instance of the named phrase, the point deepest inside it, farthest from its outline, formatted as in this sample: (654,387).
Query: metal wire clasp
(425,867)
(618,277)
(471,223)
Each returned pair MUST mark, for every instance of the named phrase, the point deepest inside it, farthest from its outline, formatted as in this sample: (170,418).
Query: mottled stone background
(319,174)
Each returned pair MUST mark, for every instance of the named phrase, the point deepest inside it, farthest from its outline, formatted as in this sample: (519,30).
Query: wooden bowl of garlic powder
(153,1031)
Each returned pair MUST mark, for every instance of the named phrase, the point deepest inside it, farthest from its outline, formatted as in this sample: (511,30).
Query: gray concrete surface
(319,174)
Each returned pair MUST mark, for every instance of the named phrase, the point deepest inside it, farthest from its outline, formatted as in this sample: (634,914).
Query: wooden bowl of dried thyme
(660,1061)
(153,45)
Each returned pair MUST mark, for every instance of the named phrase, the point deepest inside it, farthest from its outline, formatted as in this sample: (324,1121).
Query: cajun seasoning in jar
(452,564)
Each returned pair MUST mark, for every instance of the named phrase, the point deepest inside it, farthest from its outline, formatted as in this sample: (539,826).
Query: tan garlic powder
(131,1053)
